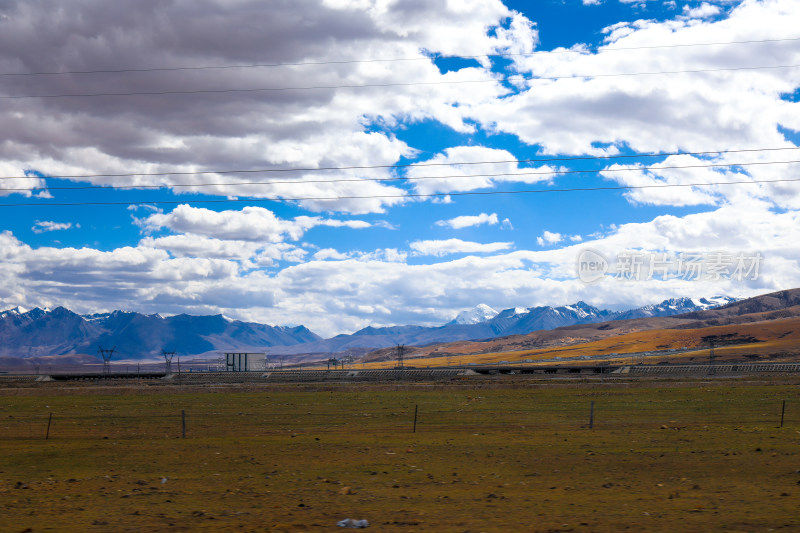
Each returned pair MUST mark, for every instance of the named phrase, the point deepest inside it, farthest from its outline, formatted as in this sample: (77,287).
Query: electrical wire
(597,49)
(402,196)
(406,165)
(395,84)
(412,178)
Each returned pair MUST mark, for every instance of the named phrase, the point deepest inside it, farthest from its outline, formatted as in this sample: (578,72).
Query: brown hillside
(774,340)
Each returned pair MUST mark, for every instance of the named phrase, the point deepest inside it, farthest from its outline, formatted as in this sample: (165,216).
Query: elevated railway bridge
(413,374)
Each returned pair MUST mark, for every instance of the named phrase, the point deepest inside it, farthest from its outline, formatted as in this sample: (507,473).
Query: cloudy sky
(341,163)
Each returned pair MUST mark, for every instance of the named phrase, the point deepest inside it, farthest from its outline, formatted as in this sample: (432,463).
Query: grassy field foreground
(491,456)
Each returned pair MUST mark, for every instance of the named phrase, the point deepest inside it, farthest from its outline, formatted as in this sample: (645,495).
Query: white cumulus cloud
(456,246)
(251,223)
(704,10)
(466,221)
(42,226)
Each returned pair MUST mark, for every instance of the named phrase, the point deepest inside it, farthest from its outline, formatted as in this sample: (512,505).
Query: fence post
(783,410)
(591,415)
(183,423)
(416,408)
(50,419)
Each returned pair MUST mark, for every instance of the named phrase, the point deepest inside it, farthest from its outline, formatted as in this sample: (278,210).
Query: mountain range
(43,332)
(40,332)
(762,327)
(512,321)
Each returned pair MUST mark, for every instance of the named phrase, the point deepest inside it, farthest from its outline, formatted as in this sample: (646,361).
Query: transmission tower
(401,349)
(106,355)
(167,361)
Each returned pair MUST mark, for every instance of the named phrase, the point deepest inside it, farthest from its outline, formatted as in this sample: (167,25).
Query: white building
(245,362)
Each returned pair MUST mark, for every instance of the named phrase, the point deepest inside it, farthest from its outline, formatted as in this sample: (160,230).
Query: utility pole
(347,359)
(711,359)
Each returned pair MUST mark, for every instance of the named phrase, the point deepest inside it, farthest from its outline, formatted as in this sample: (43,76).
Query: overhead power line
(406,165)
(403,196)
(412,178)
(597,49)
(393,84)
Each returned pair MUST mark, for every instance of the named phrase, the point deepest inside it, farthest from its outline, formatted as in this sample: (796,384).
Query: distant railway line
(409,374)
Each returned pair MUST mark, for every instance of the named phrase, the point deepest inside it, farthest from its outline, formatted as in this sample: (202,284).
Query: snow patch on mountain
(715,301)
(16,311)
(676,306)
(94,317)
(476,315)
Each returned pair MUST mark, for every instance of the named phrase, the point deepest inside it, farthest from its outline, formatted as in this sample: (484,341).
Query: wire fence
(468,415)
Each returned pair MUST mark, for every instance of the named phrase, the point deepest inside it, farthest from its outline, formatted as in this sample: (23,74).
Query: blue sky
(540,96)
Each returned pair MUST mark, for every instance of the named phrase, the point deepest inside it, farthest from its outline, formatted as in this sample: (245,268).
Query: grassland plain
(487,455)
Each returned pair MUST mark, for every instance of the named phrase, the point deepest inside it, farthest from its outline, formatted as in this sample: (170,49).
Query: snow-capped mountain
(512,321)
(476,315)
(60,331)
(676,306)
(516,319)
(135,336)
(12,312)
(526,319)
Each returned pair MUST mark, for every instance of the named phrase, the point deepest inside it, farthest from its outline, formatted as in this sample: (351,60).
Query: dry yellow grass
(779,341)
